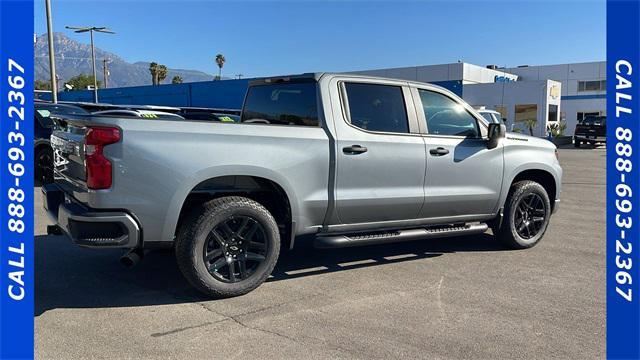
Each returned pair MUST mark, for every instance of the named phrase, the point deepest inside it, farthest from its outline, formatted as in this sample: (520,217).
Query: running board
(340,241)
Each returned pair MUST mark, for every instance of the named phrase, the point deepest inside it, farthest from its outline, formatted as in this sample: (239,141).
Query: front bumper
(592,138)
(90,227)
(556,205)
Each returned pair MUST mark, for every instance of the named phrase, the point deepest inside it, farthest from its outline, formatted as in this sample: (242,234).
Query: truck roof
(304,77)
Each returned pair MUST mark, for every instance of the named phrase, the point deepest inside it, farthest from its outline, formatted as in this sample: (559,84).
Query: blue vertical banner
(16,179)
(623,182)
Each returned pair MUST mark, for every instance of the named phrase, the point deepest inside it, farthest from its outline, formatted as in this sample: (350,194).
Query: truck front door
(379,152)
(463,177)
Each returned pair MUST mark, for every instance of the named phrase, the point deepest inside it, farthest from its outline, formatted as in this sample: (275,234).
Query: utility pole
(239,76)
(105,72)
(91,29)
(52,61)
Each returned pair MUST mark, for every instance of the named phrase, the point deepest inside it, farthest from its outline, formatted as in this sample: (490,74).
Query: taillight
(98,167)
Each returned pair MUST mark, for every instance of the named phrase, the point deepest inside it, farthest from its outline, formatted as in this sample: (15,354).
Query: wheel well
(543,178)
(266,192)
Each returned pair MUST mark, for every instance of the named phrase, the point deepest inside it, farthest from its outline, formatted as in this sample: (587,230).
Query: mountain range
(74,58)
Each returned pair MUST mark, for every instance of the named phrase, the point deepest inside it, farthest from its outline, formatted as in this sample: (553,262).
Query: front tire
(228,247)
(526,215)
(576,142)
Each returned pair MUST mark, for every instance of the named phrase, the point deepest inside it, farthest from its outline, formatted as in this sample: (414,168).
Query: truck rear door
(380,155)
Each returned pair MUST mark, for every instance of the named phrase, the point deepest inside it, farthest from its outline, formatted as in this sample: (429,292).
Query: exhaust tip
(131,259)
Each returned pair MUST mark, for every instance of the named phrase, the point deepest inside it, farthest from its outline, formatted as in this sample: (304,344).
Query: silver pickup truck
(351,160)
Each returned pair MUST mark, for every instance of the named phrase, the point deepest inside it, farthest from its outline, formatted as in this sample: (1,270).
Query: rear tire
(228,246)
(526,215)
(576,142)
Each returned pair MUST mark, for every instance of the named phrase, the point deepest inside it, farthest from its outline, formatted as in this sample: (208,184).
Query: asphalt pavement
(458,298)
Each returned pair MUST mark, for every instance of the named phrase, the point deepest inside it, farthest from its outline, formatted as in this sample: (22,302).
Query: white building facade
(584,88)
(530,98)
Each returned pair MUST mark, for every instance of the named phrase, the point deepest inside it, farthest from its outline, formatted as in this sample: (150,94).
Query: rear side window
(282,104)
(376,107)
(446,117)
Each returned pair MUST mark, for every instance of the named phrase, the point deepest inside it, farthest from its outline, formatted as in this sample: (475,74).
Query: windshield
(488,117)
(595,120)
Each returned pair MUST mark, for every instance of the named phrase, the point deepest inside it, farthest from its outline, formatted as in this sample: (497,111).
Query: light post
(91,29)
(52,61)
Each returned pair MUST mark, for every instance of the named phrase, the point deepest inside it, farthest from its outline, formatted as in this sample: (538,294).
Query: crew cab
(350,160)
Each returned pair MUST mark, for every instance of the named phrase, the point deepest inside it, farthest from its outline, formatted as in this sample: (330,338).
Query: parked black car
(43,127)
(592,130)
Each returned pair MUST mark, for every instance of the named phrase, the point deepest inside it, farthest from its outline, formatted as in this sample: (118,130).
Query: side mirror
(496,132)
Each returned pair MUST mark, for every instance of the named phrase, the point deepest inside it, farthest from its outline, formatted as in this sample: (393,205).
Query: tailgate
(67,142)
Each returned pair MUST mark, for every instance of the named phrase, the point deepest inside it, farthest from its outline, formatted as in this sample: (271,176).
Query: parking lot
(450,298)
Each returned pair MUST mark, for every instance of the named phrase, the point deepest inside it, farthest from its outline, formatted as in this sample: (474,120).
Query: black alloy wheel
(530,216)
(527,213)
(235,248)
(228,246)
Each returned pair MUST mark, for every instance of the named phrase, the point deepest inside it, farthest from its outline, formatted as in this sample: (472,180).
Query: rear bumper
(556,205)
(89,227)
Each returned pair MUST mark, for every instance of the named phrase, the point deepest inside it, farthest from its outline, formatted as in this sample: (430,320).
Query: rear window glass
(282,104)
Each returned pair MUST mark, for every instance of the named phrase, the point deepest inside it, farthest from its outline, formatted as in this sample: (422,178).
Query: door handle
(354,149)
(439,151)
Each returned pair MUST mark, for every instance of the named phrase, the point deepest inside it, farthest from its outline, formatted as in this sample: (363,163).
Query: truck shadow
(68,276)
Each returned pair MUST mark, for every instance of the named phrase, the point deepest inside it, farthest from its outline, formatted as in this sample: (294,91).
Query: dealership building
(524,95)
(548,94)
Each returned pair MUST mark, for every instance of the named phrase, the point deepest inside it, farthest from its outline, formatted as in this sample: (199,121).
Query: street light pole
(91,29)
(52,61)
(105,72)
(95,76)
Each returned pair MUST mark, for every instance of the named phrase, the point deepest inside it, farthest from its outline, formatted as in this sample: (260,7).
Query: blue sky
(266,38)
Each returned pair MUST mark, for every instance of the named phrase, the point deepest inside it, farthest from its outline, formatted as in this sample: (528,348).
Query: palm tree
(220,60)
(162,73)
(177,79)
(531,123)
(153,69)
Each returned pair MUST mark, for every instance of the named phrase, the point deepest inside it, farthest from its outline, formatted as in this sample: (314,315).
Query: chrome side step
(339,241)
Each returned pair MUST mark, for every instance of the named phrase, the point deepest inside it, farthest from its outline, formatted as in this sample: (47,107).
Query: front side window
(282,104)
(447,117)
(376,107)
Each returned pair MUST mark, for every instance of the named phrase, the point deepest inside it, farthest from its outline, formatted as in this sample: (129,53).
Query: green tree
(531,123)
(162,73)
(177,80)
(153,69)
(82,81)
(220,60)
(557,129)
(42,85)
